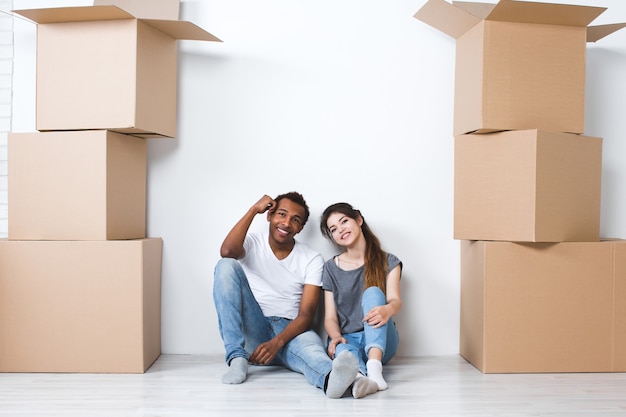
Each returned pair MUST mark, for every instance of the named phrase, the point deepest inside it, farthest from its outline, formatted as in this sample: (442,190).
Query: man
(266,291)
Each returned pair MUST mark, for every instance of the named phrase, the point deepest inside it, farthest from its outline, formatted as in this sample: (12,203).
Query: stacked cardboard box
(540,292)
(80,283)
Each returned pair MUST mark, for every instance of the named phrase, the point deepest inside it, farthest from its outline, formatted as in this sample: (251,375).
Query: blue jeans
(384,338)
(243,327)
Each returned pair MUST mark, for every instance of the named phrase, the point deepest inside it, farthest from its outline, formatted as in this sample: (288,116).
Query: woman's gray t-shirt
(347,288)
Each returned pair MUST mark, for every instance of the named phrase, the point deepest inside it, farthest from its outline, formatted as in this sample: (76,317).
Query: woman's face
(344,230)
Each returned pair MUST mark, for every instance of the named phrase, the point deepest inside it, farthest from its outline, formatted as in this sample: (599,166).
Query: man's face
(286,221)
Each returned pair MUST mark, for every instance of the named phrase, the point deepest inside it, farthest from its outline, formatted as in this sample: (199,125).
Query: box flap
(146,9)
(544,13)
(480,10)
(177,29)
(74,14)
(458,17)
(446,17)
(595,33)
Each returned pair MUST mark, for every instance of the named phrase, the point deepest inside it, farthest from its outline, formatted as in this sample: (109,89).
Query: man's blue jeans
(243,327)
(384,338)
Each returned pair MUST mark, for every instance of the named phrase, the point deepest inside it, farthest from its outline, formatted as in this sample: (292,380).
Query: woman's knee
(373,296)
(347,346)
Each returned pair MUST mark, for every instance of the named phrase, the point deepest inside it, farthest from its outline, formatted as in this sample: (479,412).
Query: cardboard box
(76,306)
(527,186)
(519,65)
(540,307)
(79,185)
(99,67)
(146,9)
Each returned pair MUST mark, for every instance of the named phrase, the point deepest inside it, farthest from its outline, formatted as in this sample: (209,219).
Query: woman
(361,296)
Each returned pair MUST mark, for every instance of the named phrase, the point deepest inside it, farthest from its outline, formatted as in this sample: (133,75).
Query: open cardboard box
(544,307)
(146,9)
(102,67)
(527,186)
(519,65)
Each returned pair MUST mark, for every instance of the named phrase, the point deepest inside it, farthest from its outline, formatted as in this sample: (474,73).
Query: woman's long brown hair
(376,268)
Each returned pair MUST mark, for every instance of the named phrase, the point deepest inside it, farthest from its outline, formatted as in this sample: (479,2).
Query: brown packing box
(527,186)
(100,67)
(80,306)
(146,9)
(79,185)
(519,65)
(544,307)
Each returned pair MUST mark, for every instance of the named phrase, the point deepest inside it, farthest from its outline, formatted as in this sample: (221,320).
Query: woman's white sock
(375,373)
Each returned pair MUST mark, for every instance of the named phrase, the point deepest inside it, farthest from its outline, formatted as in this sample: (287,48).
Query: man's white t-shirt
(277,284)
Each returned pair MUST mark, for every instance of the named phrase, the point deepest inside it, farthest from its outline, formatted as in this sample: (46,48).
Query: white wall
(345,100)
(6,92)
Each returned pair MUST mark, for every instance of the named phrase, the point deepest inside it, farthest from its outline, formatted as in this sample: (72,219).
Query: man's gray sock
(345,369)
(237,372)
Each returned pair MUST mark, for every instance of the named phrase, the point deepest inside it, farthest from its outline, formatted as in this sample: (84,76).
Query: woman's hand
(378,316)
(332,346)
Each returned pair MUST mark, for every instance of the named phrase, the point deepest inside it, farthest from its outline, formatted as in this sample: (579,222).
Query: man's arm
(265,352)
(232,247)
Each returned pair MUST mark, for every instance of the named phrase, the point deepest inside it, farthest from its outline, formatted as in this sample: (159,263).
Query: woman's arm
(379,316)
(331,323)
(393,290)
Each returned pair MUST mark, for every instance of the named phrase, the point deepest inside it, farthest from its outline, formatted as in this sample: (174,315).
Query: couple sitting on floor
(267,287)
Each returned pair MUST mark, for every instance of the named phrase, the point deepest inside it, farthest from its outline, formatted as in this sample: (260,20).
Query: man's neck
(281,251)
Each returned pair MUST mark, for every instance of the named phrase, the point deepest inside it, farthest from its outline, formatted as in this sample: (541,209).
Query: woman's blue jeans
(384,338)
(243,327)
